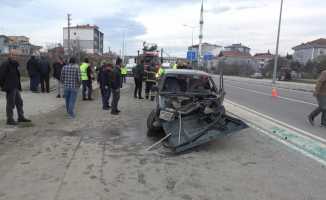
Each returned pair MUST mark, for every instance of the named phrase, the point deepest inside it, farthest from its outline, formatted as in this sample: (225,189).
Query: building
(207,49)
(238,58)
(17,45)
(262,59)
(84,38)
(309,51)
(4,44)
(237,47)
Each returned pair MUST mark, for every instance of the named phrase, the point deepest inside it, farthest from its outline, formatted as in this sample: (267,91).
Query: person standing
(84,78)
(57,68)
(124,73)
(138,73)
(115,83)
(45,74)
(10,83)
(90,74)
(34,73)
(71,80)
(320,94)
(103,79)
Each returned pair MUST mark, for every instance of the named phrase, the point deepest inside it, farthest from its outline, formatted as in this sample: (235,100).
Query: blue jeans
(34,82)
(70,97)
(106,94)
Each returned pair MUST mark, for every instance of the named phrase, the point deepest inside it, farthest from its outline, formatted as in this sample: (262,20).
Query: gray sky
(250,22)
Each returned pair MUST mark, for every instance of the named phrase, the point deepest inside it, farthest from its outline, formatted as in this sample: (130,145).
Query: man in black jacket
(10,83)
(115,84)
(57,68)
(45,74)
(33,70)
(138,73)
(103,79)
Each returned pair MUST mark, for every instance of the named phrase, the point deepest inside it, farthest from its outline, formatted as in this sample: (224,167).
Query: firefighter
(160,72)
(150,81)
(175,66)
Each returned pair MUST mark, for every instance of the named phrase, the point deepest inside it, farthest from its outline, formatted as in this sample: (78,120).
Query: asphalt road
(291,107)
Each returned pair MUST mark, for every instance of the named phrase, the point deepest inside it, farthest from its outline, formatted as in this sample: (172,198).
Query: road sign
(191,55)
(208,56)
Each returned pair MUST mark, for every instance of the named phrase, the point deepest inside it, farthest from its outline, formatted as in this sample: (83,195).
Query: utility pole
(277,44)
(201,24)
(123,46)
(69,19)
(162,59)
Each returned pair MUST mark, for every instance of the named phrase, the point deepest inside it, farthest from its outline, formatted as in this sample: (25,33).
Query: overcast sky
(250,22)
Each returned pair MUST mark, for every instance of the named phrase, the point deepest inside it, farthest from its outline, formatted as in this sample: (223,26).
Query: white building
(309,51)
(263,58)
(207,48)
(238,47)
(85,38)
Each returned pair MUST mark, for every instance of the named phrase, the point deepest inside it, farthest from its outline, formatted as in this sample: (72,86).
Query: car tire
(152,131)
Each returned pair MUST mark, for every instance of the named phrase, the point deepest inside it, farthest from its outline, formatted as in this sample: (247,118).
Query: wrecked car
(189,110)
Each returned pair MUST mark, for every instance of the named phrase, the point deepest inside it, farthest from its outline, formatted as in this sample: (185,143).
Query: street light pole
(69,20)
(277,44)
(192,32)
(201,24)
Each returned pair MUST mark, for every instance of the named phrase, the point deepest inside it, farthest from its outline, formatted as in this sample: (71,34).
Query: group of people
(70,76)
(39,72)
(109,78)
(149,74)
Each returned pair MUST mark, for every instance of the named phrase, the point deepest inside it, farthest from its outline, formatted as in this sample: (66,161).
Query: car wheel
(151,129)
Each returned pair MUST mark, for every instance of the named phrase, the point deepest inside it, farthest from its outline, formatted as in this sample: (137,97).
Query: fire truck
(150,55)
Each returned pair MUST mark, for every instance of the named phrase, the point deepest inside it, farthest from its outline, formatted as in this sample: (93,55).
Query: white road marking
(280,97)
(253,124)
(270,86)
(320,139)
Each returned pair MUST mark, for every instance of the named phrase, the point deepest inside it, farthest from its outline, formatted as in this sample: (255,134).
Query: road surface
(291,107)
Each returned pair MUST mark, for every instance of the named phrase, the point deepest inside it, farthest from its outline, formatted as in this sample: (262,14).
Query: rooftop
(237,46)
(321,42)
(234,54)
(263,55)
(86,26)
(205,44)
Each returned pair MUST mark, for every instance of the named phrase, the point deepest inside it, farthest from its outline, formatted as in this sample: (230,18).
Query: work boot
(114,113)
(311,120)
(23,119)
(58,96)
(146,97)
(11,122)
(152,98)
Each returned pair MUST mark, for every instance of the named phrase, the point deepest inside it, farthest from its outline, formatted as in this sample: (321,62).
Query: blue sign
(191,55)
(208,56)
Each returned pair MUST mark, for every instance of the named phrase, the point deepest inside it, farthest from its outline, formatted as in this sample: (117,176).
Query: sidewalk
(281,84)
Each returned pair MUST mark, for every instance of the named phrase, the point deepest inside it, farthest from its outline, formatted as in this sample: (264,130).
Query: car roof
(185,72)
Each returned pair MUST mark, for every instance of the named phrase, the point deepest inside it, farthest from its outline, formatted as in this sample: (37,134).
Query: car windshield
(187,84)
